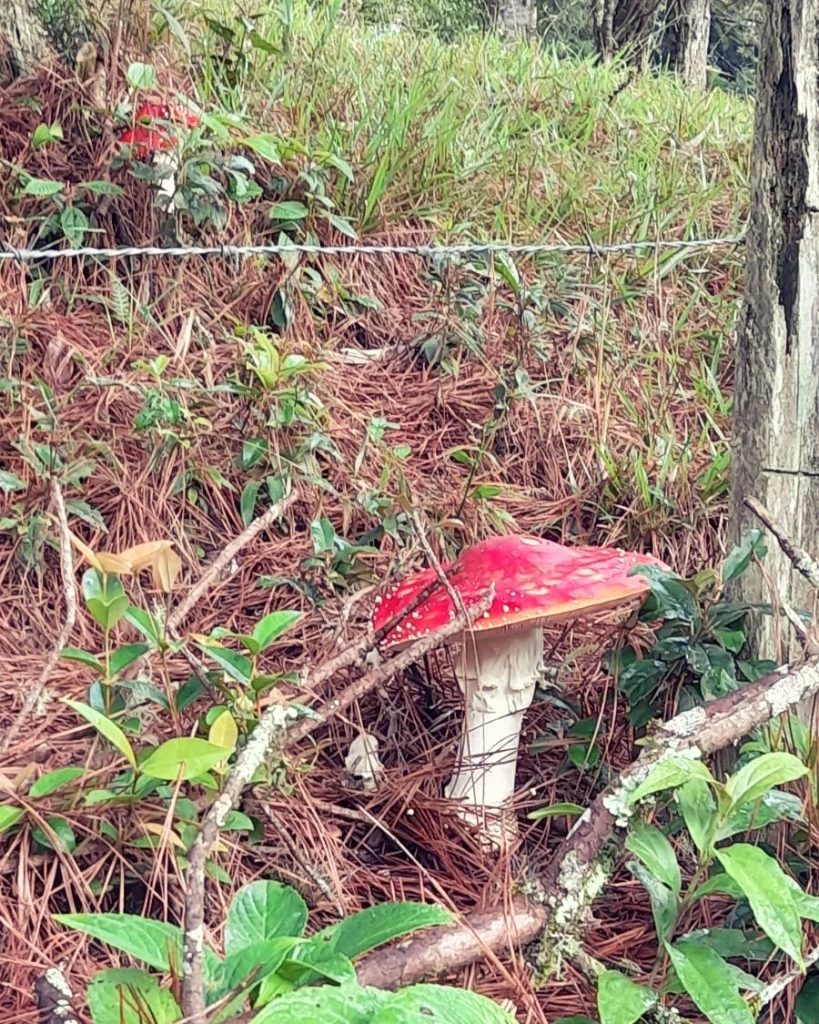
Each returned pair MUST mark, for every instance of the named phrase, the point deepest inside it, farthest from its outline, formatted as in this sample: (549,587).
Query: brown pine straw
(346,849)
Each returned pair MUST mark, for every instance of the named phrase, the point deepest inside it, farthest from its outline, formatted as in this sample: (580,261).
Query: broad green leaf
(141,76)
(670,773)
(366,929)
(699,812)
(329,1004)
(9,816)
(146,624)
(771,806)
(236,665)
(247,966)
(290,209)
(620,1000)
(105,598)
(555,811)
(183,758)
(710,982)
(52,781)
(807,1002)
(733,943)
(754,779)
(664,903)
(649,844)
(122,657)
(110,730)
(57,835)
(769,893)
(84,658)
(807,905)
(263,910)
(312,961)
(272,626)
(42,187)
(11,482)
(154,943)
(130,996)
(247,501)
(721,884)
(438,1004)
(739,558)
(265,145)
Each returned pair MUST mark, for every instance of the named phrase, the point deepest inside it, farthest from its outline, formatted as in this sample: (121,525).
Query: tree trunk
(516,19)
(776,403)
(627,27)
(689,26)
(23,42)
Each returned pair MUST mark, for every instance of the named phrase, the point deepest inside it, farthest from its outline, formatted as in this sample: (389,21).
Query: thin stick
(799,558)
(70,594)
(222,560)
(269,732)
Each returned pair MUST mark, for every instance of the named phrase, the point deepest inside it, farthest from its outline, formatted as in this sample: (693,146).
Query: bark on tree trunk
(517,19)
(627,27)
(776,403)
(689,25)
(23,42)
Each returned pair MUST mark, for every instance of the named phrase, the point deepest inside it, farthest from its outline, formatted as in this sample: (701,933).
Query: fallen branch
(270,732)
(577,873)
(70,595)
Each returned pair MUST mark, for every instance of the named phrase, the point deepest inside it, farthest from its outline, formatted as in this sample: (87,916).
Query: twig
(382,673)
(800,559)
(70,595)
(270,731)
(53,996)
(222,560)
(577,874)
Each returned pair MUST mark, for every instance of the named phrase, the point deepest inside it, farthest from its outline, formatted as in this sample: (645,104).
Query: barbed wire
(10,253)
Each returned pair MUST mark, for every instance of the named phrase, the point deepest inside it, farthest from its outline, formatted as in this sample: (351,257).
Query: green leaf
(273,625)
(806,905)
(129,996)
(59,835)
(102,188)
(807,1002)
(146,624)
(555,811)
(649,844)
(110,730)
(754,779)
(699,812)
(122,657)
(733,943)
(721,884)
(236,665)
(771,807)
(342,225)
(265,145)
(769,893)
(42,187)
(664,903)
(670,773)
(289,210)
(343,1004)
(247,966)
(9,816)
(154,943)
(74,224)
(184,758)
(710,982)
(620,1000)
(247,500)
(437,1004)
(312,960)
(105,599)
(11,482)
(739,558)
(263,910)
(366,929)
(84,658)
(141,76)
(52,781)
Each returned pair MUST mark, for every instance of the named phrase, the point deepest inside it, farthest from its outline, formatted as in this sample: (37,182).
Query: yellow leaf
(86,552)
(114,564)
(142,556)
(154,828)
(166,566)
(223,732)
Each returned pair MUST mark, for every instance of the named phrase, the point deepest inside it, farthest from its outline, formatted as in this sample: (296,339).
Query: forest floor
(583,398)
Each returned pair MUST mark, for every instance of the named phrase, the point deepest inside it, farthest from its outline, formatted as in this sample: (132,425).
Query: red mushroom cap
(145,139)
(535,581)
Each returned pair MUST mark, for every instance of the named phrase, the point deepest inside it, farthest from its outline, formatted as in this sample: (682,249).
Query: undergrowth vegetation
(402,404)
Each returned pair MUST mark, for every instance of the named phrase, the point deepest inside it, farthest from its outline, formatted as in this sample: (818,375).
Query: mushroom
(501,658)
(147,139)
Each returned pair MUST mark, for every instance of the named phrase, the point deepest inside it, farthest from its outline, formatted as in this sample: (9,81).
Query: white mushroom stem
(497,673)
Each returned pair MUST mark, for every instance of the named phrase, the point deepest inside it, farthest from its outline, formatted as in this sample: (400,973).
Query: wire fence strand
(9,253)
